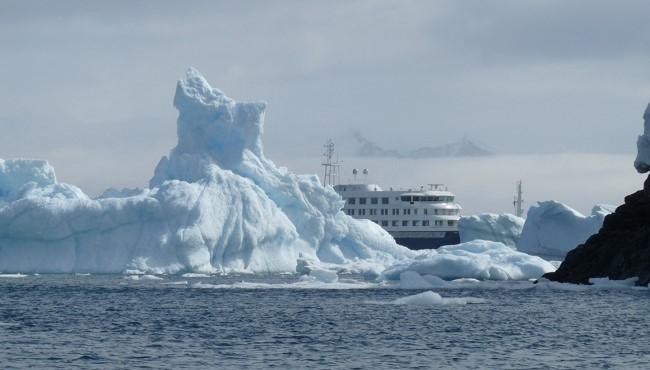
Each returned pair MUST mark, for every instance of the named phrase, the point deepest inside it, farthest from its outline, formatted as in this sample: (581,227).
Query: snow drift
(503,228)
(552,228)
(215,204)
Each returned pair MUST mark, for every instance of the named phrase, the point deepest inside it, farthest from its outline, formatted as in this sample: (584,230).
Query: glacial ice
(478,259)
(552,228)
(504,228)
(215,204)
(430,298)
(642,161)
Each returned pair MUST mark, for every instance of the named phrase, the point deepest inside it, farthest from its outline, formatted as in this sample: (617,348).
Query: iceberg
(552,228)
(642,161)
(215,204)
(431,298)
(504,228)
(478,259)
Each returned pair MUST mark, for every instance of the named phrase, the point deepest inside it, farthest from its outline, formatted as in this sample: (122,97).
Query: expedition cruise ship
(417,219)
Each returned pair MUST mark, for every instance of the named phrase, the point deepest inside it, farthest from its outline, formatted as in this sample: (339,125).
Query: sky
(89,85)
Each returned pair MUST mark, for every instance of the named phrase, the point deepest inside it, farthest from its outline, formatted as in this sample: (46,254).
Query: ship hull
(418,243)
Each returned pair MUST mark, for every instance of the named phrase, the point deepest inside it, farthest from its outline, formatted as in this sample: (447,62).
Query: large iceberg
(552,228)
(504,228)
(642,162)
(214,204)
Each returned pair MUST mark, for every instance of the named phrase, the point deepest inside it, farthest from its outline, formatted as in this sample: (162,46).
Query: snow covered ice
(552,228)
(504,228)
(479,259)
(214,204)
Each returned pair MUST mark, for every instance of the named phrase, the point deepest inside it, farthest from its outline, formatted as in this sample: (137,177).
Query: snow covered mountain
(465,147)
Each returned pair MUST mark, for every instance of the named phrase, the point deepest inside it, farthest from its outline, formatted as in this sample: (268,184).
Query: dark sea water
(88,322)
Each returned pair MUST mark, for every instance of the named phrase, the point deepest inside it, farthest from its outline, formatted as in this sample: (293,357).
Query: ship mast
(518,203)
(331,167)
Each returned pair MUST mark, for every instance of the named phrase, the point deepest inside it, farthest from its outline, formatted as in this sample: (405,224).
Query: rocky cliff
(620,250)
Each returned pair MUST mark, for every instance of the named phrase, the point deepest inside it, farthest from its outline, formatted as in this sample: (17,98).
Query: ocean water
(109,321)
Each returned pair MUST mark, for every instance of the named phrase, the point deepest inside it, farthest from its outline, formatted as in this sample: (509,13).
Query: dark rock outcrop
(620,250)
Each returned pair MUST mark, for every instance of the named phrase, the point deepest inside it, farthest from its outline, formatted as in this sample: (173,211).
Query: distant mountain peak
(465,147)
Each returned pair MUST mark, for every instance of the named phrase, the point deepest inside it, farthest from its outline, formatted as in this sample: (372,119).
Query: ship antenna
(518,203)
(331,167)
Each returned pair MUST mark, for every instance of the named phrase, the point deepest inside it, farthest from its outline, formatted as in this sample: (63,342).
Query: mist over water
(487,184)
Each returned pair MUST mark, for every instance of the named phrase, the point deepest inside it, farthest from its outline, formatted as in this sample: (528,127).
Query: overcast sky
(89,85)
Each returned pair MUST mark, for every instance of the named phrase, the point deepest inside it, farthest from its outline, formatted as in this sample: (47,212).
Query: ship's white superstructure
(417,218)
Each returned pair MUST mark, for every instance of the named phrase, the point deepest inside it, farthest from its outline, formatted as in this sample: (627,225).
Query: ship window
(426,211)
(384,223)
(384,200)
(405,223)
(362,212)
(438,222)
(416,223)
(393,223)
(375,221)
(362,200)
(373,212)
(435,211)
(429,199)
(395,212)
(407,211)
(384,212)
(351,212)
(451,223)
(352,200)
(436,199)
(406,199)
(416,199)
(374,200)
(425,223)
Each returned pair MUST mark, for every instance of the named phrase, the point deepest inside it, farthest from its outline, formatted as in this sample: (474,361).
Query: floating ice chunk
(552,228)
(504,228)
(465,281)
(194,275)
(143,277)
(479,259)
(434,299)
(13,276)
(325,276)
(306,282)
(183,282)
(413,280)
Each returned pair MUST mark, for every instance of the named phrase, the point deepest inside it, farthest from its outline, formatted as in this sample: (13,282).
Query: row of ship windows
(385,200)
(415,223)
(406,211)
